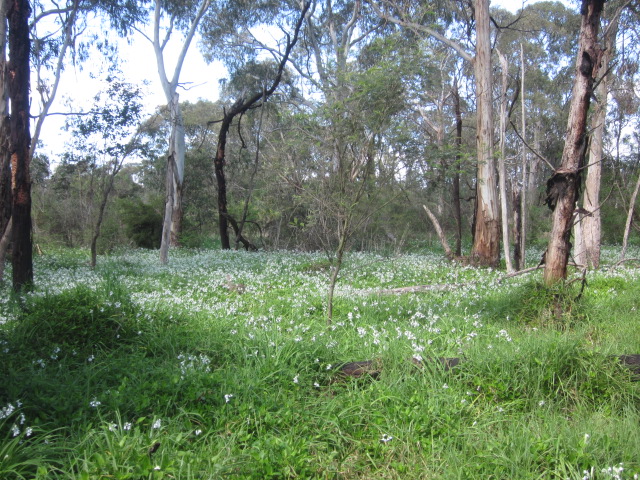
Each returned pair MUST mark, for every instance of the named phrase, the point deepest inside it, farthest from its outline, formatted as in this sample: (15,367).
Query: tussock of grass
(163,372)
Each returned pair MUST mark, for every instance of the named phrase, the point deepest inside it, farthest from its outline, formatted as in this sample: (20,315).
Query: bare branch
(515,129)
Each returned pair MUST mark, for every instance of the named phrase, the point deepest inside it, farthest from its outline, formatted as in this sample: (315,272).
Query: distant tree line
(392,126)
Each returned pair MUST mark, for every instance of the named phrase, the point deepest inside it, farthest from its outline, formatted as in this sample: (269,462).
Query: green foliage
(142,222)
(536,304)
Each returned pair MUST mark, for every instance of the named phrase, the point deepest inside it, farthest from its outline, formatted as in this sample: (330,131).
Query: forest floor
(223,365)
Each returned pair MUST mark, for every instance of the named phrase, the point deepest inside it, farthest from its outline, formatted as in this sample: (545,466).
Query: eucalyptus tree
(486,238)
(563,186)
(5,157)
(534,52)
(167,18)
(18,76)
(588,228)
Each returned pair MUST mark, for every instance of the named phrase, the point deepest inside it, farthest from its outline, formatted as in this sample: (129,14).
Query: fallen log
(372,368)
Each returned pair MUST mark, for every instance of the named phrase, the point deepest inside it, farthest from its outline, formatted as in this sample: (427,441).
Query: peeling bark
(486,239)
(563,186)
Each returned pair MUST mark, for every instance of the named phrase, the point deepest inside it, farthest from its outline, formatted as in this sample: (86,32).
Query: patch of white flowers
(193,363)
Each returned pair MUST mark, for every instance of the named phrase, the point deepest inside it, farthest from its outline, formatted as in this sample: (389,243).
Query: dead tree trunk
(563,186)
(20,142)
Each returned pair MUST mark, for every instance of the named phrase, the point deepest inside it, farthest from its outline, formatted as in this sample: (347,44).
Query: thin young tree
(105,137)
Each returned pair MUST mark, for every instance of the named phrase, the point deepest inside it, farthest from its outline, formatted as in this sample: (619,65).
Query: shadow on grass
(72,360)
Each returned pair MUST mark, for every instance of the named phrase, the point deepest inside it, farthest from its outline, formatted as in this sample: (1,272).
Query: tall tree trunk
(486,239)
(173,186)
(117,165)
(591,224)
(455,187)
(178,150)
(5,128)
(562,187)
(175,175)
(501,162)
(20,141)
(168,209)
(521,226)
(218,163)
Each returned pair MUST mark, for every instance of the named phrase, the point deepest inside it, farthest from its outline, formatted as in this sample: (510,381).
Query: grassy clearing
(221,365)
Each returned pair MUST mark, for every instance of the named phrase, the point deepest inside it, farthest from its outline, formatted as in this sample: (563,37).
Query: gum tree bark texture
(486,238)
(592,223)
(20,141)
(563,186)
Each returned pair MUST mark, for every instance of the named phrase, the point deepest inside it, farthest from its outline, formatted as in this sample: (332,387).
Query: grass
(139,371)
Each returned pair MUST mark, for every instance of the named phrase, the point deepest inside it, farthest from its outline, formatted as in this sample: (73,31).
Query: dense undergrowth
(222,365)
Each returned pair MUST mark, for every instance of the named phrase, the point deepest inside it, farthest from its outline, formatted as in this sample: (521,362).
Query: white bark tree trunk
(176,155)
(502,170)
(522,244)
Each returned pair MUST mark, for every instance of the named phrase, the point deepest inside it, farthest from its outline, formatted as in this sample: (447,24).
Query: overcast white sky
(199,78)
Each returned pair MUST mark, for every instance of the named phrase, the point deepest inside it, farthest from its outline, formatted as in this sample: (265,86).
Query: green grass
(139,371)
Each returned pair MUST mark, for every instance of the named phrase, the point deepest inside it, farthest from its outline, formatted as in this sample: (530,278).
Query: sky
(200,80)
(514,5)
